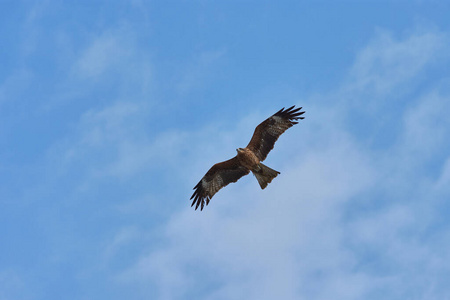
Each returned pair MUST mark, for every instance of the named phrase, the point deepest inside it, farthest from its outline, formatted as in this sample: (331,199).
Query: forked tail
(265,175)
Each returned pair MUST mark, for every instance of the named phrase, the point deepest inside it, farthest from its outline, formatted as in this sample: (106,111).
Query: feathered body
(247,159)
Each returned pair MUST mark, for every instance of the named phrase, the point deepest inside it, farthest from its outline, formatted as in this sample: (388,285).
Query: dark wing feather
(268,132)
(216,178)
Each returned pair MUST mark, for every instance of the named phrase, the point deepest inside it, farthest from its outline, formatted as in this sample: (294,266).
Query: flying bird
(248,158)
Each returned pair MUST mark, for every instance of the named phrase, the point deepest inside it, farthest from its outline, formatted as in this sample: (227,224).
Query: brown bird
(247,159)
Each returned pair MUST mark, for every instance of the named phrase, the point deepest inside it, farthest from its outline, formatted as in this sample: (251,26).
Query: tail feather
(265,175)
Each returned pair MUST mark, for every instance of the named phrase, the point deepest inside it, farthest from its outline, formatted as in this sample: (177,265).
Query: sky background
(112,111)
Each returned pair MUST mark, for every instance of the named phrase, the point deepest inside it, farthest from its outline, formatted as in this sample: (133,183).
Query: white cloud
(107,142)
(104,53)
(426,127)
(297,240)
(258,250)
(443,183)
(113,57)
(124,237)
(388,62)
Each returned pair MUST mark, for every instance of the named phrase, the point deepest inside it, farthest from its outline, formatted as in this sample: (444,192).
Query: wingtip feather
(280,111)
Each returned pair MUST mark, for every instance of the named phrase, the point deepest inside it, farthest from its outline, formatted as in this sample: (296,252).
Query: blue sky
(110,112)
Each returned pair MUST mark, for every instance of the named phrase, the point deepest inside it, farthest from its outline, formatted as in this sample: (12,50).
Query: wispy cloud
(113,56)
(388,62)
(300,239)
(105,53)
(195,73)
(11,286)
(258,250)
(359,211)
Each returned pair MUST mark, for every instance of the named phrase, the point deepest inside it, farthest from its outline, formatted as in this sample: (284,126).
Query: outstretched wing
(268,132)
(216,178)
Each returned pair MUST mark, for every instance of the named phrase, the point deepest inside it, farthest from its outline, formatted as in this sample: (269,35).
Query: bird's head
(239,150)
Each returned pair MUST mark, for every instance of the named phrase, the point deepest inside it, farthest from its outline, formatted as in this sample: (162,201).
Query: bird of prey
(248,158)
